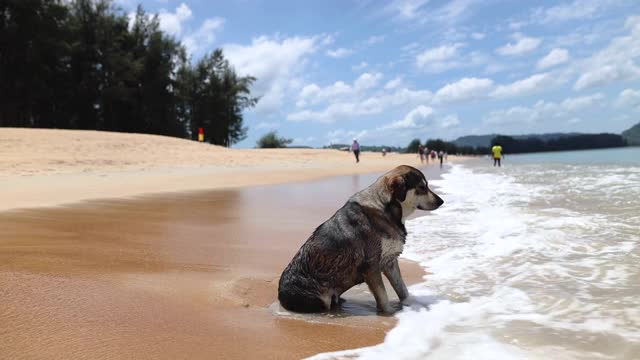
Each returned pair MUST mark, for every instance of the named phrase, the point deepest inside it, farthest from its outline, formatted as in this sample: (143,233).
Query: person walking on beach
(497,154)
(421,153)
(355,147)
(441,157)
(426,154)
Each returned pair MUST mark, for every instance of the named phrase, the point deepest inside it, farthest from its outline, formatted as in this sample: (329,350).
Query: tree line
(446,146)
(565,143)
(526,145)
(82,64)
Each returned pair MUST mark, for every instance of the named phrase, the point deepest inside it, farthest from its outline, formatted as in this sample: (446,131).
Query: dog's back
(309,283)
(332,260)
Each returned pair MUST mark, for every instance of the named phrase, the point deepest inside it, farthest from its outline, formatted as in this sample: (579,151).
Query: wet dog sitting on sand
(359,243)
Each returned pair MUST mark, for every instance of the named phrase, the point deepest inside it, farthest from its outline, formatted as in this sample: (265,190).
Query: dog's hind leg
(376,286)
(392,272)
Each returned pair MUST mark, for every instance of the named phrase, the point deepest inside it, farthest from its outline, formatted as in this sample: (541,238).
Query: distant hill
(485,140)
(632,135)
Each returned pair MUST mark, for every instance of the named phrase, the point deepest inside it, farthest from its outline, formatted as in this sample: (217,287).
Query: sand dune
(44,167)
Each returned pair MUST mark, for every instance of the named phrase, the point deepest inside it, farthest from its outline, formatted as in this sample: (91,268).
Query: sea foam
(522,263)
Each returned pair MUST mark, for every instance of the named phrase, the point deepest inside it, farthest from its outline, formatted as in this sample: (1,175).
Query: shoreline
(43,167)
(196,269)
(157,259)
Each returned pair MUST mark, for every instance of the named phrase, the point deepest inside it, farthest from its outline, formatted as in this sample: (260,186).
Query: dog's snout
(437,200)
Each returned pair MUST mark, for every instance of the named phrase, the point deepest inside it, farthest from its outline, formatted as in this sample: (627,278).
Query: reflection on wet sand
(171,276)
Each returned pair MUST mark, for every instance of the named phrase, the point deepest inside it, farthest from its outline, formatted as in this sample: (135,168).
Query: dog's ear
(398,188)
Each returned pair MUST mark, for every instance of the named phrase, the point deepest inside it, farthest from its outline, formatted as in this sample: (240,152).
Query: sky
(386,72)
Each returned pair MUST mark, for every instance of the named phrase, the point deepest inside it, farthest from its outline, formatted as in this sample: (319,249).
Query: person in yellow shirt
(497,154)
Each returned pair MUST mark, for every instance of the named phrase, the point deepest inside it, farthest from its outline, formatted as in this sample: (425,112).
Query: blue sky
(387,72)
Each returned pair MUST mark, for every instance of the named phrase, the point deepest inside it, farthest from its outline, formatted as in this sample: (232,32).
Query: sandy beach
(137,246)
(43,167)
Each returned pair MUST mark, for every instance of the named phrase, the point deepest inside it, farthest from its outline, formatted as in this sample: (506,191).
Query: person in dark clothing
(355,147)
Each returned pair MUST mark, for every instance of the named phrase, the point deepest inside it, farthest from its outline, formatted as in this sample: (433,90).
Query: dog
(362,240)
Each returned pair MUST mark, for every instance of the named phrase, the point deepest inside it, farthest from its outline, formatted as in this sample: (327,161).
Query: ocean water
(539,259)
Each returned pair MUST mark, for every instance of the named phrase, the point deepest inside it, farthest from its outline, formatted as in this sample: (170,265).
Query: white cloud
(525,86)
(449,121)
(274,62)
(204,36)
(360,66)
(516,25)
(553,58)
(375,39)
(463,90)
(478,35)
(341,136)
(394,83)
(367,80)
(451,12)
(313,94)
(171,22)
(617,62)
(578,9)
(522,45)
(407,9)
(415,119)
(607,74)
(581,102)
(543,111)
(439,58)
(420,119)
(338,91)
(342,108)
(337,111)
(629,98)
(339,53)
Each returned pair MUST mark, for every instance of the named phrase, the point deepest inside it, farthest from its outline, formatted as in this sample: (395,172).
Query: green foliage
(78,65)
(413,146)
(569,142)
(452,148)
(271,140)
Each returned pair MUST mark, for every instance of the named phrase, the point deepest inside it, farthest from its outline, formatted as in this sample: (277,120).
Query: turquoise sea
(538,259)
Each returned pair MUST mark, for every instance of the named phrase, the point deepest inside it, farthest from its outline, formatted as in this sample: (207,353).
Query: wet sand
(182,275)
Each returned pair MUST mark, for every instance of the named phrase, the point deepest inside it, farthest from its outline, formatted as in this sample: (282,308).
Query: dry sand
(174,275)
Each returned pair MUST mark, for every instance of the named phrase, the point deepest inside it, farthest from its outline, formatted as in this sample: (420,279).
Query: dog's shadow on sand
(357,302)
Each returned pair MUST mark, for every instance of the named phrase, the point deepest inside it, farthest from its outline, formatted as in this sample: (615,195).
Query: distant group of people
(425,153)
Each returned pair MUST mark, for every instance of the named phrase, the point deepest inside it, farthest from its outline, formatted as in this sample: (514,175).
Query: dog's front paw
(386,310)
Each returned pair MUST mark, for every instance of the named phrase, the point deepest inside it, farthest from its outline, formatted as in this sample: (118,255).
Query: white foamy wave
(522,264)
